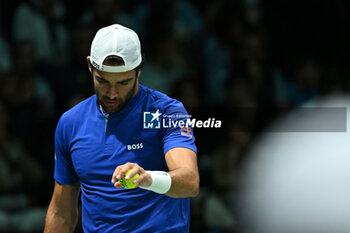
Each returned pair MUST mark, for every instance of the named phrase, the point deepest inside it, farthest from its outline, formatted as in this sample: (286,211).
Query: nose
(112,92)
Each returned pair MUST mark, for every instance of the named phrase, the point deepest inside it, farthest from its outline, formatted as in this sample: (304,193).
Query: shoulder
(79,111)
(73,119)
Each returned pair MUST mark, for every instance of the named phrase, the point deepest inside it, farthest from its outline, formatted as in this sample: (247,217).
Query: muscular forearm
(60,223)
(184,183)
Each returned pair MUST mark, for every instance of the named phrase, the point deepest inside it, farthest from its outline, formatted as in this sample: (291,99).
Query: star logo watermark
(151,119)
(156,115)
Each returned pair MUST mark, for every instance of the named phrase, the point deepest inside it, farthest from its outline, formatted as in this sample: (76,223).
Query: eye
(100,80)
(125,82)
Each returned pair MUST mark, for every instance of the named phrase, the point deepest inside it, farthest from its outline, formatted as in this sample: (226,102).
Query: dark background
(217,57)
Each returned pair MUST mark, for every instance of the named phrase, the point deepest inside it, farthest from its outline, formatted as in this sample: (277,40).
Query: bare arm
(182,165)
(62,214)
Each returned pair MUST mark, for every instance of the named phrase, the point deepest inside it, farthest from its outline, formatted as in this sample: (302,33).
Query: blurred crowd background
(243,61)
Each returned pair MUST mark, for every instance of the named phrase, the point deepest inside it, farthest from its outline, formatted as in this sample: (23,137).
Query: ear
(89,63)
(138,73)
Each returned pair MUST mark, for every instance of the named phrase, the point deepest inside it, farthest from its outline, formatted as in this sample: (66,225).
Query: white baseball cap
(116,40)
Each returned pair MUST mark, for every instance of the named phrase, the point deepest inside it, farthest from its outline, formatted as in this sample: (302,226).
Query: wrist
(161,182)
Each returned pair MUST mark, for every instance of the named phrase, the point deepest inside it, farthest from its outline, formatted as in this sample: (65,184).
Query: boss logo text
(135,146)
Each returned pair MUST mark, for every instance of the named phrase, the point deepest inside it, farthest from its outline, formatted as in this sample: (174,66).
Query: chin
(114,110)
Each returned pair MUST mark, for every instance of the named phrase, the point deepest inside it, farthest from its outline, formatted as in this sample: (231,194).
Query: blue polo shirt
(88,148)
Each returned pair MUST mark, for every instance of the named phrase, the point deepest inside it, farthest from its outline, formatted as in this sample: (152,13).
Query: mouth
(111,103)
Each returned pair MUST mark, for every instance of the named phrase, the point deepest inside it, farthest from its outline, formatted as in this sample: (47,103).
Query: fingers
(115,174)
(118,185)
(134,170)
(144,179)
(121,170)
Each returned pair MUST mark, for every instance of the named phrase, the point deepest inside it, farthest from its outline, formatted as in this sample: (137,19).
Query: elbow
(54,219)
(195,189)
(195,192)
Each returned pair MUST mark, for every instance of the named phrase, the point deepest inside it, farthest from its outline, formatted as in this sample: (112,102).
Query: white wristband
(161,182)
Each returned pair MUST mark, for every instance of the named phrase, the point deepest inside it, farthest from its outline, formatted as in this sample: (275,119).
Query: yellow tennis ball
(128,184)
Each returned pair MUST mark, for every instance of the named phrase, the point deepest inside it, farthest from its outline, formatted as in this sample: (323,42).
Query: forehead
(113,76)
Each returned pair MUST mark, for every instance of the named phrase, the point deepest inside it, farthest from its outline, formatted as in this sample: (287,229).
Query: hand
(144,179)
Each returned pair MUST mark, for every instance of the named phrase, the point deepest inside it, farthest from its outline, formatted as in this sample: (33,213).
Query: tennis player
(118,129)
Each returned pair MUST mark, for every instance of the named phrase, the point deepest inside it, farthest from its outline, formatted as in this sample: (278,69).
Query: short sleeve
(64,170)
(176,130)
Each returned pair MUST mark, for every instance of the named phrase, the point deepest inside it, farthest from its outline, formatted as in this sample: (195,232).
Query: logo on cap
(97,66)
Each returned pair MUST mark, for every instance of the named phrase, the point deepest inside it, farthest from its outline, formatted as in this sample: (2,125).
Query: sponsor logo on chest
(135,146)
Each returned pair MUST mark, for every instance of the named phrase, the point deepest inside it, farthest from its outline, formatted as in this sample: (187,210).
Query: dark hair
(114,60)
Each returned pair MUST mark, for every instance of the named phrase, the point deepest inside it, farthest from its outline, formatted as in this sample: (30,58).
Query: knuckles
(122,169)
(131,164)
